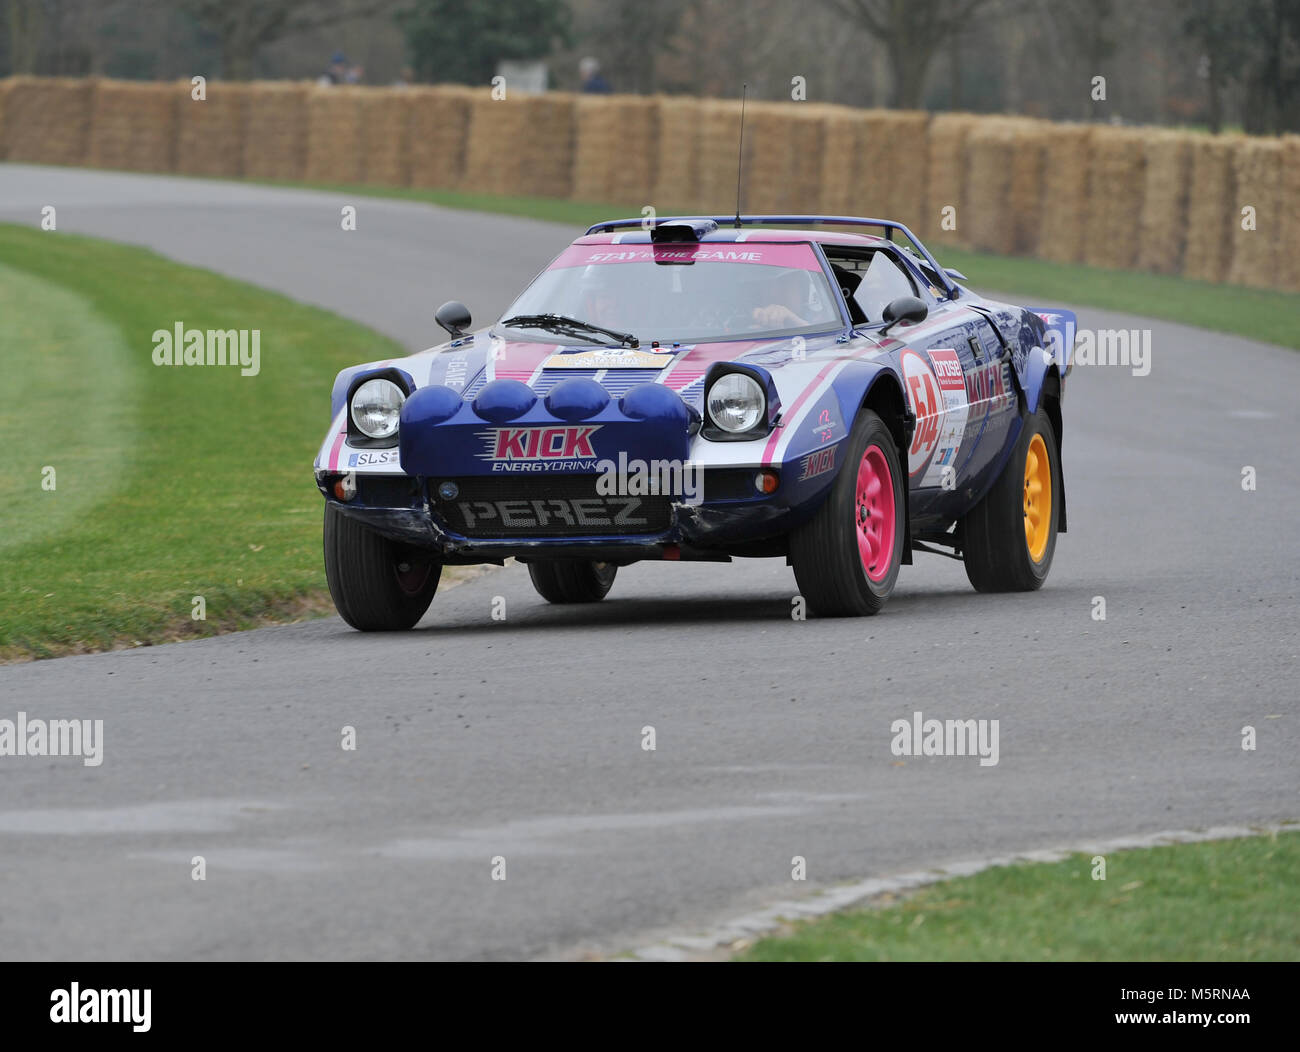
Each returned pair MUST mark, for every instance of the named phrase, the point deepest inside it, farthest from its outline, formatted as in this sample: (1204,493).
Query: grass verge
(1225,900)
(1256,314)
(167,483)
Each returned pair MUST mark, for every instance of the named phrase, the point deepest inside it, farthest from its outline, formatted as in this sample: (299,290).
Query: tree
(1215,27)
(26,28)
(246,26)
(912,31)
(1084,37)
(1253,44)
(629,36)
(463,40)
(1272,77)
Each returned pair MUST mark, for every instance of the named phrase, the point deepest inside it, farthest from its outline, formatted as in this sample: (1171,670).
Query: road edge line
(708,942)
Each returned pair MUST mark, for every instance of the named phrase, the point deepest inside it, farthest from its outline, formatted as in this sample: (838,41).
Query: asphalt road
(521,738)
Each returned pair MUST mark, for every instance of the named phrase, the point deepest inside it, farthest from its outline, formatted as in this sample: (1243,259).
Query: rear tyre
(1009,537)
(563,581)
(377,585)
(846,558)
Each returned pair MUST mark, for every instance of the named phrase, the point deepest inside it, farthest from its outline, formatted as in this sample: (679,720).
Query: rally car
(813,388)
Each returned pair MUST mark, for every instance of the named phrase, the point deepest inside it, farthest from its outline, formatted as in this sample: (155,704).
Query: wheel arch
(1050,400)
(885,398)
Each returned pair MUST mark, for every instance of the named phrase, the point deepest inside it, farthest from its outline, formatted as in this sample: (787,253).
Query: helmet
(595,294)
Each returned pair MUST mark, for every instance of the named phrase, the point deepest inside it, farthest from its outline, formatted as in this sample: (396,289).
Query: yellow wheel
(1038,498)
(1009,537)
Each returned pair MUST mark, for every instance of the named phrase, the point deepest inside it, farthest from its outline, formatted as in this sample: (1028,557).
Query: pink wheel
(846,557)
(875,513)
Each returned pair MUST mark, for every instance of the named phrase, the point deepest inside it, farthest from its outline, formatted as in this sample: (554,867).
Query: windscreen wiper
(562,323)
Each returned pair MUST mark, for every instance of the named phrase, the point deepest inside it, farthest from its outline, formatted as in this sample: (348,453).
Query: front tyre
(572,581)
(846,558)
(377,585)
(1009,537)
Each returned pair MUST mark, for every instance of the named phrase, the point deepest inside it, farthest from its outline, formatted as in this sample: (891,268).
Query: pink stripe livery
(695,362)
(778,432)
(519,361)
(334,450)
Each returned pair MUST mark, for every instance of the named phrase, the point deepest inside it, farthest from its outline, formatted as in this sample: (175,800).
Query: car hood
(466,364)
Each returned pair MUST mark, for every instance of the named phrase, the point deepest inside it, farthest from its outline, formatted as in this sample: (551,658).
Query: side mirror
(905,308)
(454,317)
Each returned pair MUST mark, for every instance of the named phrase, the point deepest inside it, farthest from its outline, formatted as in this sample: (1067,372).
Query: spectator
(337,70)
(592,82)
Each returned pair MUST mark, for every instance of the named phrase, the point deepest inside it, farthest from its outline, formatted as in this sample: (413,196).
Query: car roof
(637,236)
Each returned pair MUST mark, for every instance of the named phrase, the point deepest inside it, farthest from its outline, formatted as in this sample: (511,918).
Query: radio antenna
(740,158)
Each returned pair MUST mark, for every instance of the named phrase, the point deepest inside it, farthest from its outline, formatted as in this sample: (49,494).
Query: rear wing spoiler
(1061,326)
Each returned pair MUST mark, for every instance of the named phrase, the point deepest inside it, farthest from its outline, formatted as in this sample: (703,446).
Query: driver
(788,296)
(599,304)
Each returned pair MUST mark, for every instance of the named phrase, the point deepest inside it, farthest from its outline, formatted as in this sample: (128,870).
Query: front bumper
(726,520)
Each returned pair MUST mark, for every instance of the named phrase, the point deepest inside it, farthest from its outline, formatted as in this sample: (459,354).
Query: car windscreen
(685,293)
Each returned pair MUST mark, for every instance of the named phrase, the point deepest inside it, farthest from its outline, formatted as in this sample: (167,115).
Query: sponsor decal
(824,426)
(923,392)
(371,458)
(954,406)
(987,382)
(773,255)
(817,463)
(682,254)
(947,368)
(562,448)
(457,368)
(615,513)
(609,358)
(515,467)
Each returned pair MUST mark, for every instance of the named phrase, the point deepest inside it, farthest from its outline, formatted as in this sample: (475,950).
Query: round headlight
(736,402)
(376,406)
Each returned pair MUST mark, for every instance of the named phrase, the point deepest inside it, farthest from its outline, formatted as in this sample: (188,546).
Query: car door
(994,408)
(956,380)
(934,370)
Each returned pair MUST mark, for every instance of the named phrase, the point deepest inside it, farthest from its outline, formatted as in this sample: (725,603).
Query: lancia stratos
(812,388)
